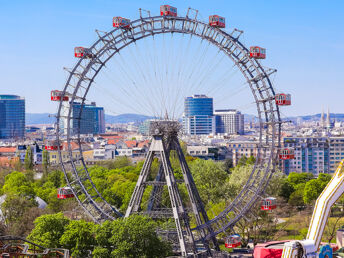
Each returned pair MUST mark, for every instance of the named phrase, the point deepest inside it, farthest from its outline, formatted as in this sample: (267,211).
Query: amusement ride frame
(110,43)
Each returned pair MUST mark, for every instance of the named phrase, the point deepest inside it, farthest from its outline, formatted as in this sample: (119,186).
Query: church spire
(322,118)
(328,121)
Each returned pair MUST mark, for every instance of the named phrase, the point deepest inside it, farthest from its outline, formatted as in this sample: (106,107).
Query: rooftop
(10,97)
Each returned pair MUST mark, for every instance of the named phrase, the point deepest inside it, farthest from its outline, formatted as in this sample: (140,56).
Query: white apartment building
(229,121)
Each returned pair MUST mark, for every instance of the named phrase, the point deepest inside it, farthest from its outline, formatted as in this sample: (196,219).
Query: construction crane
(309,247)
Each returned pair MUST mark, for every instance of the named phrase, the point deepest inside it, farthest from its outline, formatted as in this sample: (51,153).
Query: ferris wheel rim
(253,80)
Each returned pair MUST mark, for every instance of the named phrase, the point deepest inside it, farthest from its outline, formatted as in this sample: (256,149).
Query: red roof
(115,137)
(8,149)
(7,161)
(131,144)
(143,144)
(113,141)
(74,145)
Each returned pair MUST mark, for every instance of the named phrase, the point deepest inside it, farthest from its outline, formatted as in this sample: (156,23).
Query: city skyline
(49,39)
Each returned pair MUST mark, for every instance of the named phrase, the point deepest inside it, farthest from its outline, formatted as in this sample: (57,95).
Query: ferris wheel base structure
(92,59)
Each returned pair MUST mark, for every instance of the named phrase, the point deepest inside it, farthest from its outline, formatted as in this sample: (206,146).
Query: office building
(198,115)
(92,118)
(12,117)
(144,128)
(229,121)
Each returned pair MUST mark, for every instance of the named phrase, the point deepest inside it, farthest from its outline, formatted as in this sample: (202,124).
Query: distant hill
(126,118)
(45,118)
(39,118)
(316,117)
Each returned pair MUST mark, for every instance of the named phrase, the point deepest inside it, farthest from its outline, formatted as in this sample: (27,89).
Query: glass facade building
(92,118)
(12,117)
(198,115)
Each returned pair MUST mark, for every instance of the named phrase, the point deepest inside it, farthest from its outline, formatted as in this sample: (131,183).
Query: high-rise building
(144,128)
(336,152)
(229,121)
(12,117)
(92,118)
(198,115)
(311,155)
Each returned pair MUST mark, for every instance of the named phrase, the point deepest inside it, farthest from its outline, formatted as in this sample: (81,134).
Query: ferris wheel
(125,33)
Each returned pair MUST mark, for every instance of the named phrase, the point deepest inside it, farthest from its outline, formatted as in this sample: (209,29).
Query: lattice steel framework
(110,43)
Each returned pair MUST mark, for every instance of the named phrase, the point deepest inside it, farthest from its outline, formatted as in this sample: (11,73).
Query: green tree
(134,236)
(314,187)
(18,166)
(323,180)
(286,189)
(228,165)
(49,229)
(251,160)
(296,199)
(18,183)
(238,178)
(311,191)
(242,161)
(56,177)
(19,213)
(78,237)
(299,178)
(45,161)
(210,179)
(28,161)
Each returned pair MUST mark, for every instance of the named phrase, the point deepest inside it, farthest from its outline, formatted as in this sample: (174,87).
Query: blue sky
(304,41)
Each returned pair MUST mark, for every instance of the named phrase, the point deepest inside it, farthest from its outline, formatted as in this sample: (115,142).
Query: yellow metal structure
(309,247)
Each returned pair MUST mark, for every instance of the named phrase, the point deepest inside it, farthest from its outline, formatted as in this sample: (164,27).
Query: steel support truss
(165,139)
(110,43)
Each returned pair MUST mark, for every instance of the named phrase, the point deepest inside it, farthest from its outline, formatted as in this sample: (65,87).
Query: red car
(268,204)
(80,52)
(233,241)
(283,99)
(287,153)
(120,22)
(257,52)
(56,96)
(167,10)
(217,21)
(52,145)
(64,193)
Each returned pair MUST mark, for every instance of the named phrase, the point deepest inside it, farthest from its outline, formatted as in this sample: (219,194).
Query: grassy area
(296,227)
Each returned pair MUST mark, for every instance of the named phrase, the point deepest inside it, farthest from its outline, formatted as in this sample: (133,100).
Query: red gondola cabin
(283,99)
(167,10)
(56,95)
(287,153)
(257,52)
(217,21)
(64,193)
(80,52)
(120,22)
(52,145)
(268,204)
(233,241)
